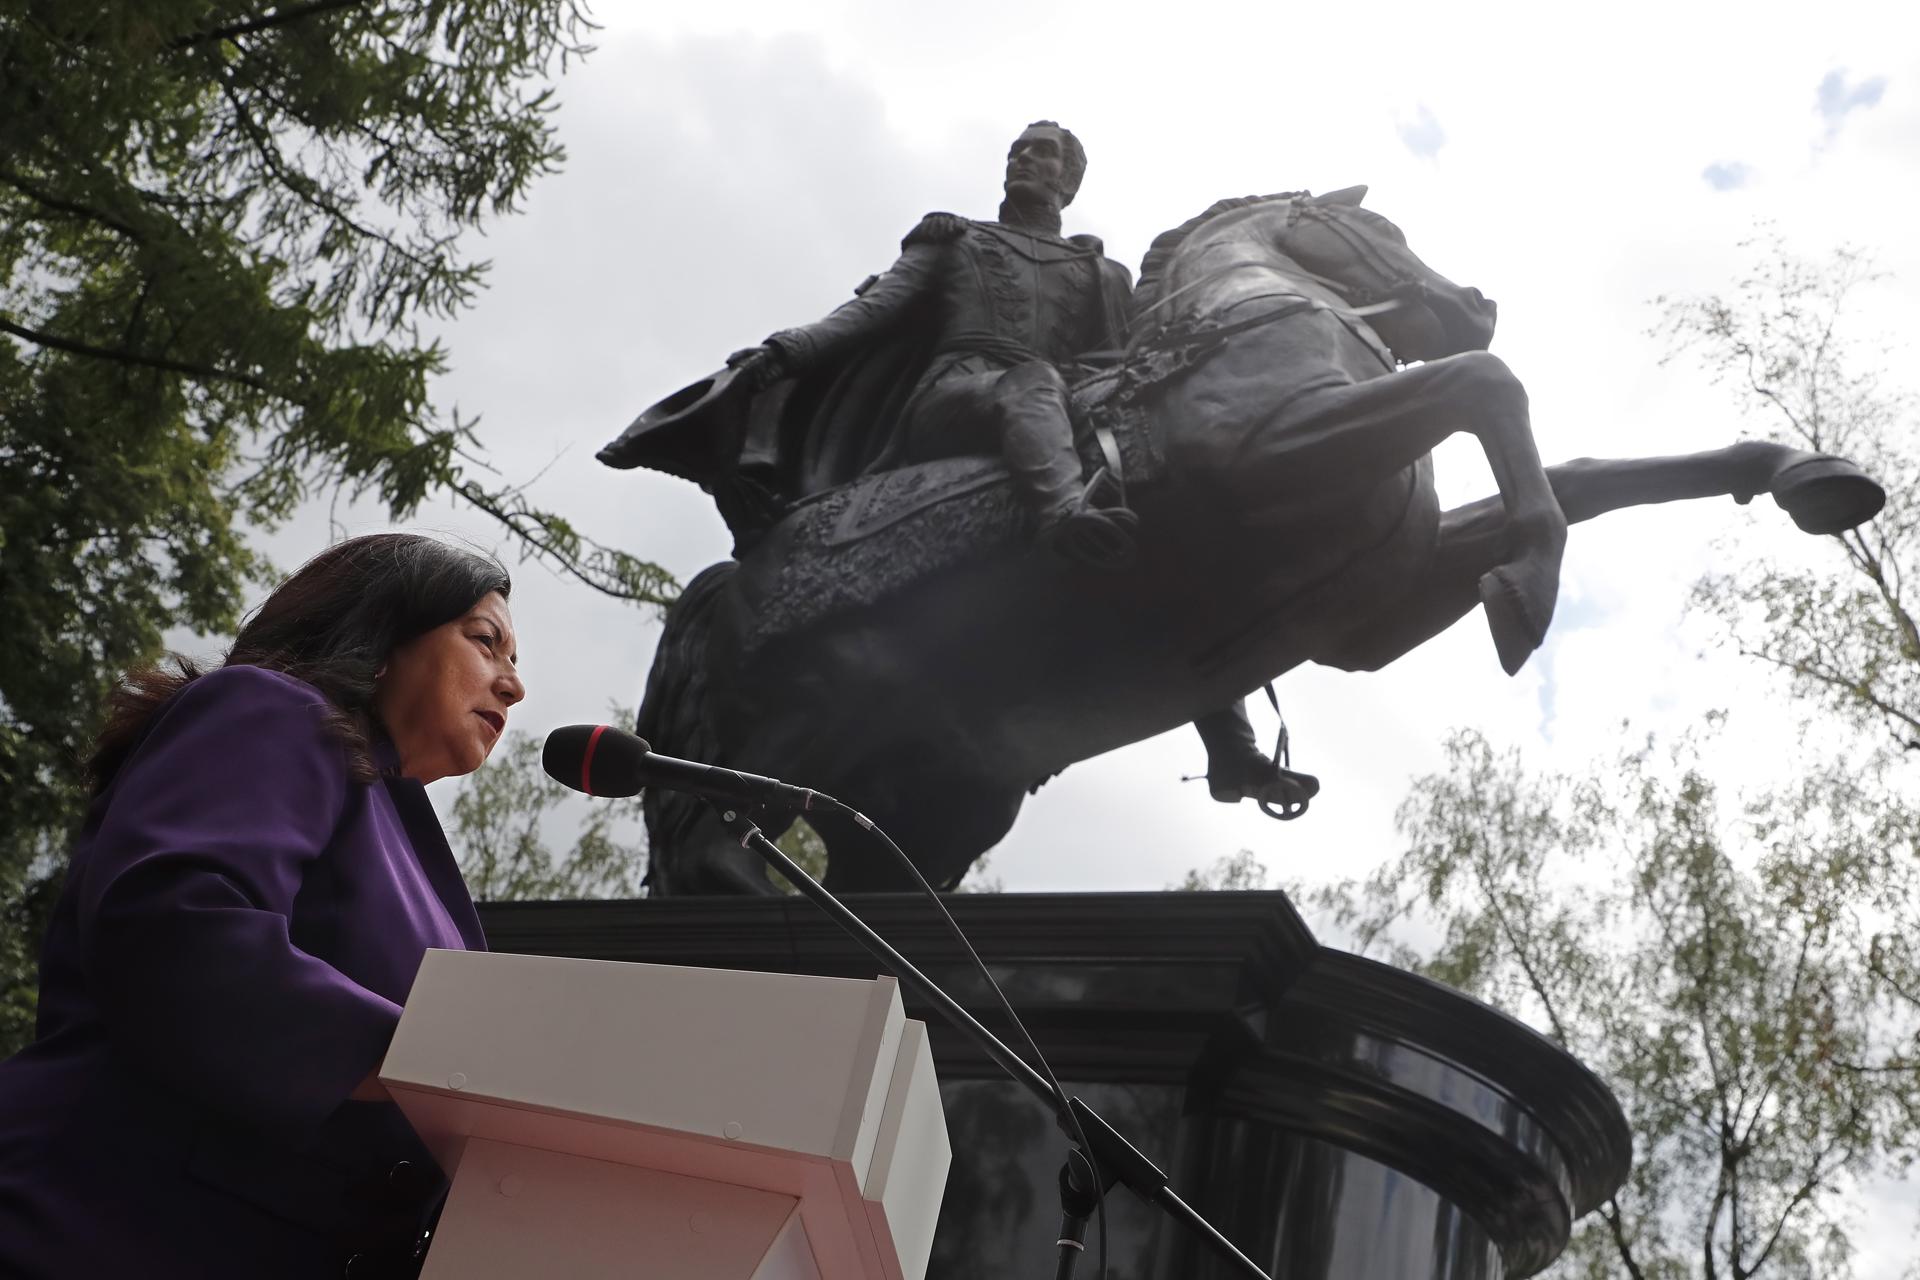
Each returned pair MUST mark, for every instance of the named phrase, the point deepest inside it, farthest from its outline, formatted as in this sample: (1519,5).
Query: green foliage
(978,881)
(1737,981)
(497,828)
(1239,871)
(221,228)
(804,845)
(26,903)
(1844,629)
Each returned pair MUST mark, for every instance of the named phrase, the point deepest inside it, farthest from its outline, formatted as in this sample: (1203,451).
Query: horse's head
(1367,257)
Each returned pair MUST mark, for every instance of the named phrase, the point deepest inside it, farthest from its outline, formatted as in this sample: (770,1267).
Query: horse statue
(896,642)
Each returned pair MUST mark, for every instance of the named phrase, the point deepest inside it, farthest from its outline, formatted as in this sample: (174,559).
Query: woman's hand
(370,1089)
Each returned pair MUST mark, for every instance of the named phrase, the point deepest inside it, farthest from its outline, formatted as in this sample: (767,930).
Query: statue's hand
(760,367)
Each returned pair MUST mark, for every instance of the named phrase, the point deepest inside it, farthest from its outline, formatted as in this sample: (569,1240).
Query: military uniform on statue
(998,310)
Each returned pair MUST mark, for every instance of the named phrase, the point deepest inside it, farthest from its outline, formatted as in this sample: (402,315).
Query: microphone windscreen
(595,758)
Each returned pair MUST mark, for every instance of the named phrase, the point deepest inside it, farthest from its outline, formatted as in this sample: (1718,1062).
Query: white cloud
(1727,175)
(1836,97)
(1422,134)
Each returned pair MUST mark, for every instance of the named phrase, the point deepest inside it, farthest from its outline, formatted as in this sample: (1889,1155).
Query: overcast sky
(736,168)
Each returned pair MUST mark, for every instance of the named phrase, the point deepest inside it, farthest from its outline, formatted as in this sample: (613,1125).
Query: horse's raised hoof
(1827,495)
(1516,634)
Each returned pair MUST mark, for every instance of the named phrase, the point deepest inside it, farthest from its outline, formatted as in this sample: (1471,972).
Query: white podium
(638,1121)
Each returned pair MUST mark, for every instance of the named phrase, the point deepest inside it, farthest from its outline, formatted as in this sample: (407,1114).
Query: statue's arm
(873,311)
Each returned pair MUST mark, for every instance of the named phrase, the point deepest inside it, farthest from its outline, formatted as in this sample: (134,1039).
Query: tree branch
(1839,684)
(518,523)
(205,373)
(1612,1216)
(1791,1050)
(1800,1196)
(305,188)
(1712,1224)
(25,187)
(266,22)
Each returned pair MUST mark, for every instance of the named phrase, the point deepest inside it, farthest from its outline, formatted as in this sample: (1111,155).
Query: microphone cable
(1006,1007)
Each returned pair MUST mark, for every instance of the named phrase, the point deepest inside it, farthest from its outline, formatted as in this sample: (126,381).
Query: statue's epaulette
(936,228)
(1092,244)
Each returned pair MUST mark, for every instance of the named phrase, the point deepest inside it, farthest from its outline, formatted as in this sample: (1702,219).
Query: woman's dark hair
(332,624)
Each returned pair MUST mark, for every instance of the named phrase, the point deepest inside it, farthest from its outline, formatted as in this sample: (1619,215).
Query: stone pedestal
(1338,1119)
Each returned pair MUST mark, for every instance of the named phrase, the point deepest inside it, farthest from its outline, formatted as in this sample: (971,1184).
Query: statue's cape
(835,422)
(759,453)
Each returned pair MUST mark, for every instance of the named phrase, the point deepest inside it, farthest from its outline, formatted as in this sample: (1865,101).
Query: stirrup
(1291,791)
(1091,534)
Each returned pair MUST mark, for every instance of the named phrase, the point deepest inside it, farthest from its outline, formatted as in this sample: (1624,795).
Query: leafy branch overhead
(244,217)
(1843,628)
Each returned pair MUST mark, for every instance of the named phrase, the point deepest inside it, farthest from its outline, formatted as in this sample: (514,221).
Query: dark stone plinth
(1338,1119)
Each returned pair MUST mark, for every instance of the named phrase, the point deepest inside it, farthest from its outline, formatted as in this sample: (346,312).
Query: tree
(1843,627)
(1735,981)
(498,827)
(222,227)
(1239,871)
(978,881)
(804,845)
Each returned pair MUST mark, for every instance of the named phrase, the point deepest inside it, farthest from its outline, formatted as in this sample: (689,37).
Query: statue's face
(1035,164)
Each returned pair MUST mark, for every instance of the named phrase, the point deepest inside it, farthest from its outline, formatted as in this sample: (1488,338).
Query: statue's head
(1045,161)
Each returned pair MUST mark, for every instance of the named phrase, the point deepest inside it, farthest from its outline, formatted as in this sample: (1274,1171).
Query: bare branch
(1814,1181)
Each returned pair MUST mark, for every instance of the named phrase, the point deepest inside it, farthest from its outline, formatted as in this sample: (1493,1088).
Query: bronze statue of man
(1002,309)
(965,346)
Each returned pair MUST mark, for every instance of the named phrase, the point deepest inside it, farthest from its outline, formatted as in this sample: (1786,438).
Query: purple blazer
(238,930)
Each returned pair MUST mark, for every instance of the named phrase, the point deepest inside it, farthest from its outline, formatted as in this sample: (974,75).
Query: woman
(251,894)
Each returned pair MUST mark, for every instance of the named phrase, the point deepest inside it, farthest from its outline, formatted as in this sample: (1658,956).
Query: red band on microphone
(586,761)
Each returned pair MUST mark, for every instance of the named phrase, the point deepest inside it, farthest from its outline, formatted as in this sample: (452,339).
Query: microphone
(604,761)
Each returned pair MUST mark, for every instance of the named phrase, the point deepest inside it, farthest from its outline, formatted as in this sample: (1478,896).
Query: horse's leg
(1371,428)
(1814,490)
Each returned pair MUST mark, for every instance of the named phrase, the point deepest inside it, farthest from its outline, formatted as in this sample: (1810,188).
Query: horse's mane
(1154,265)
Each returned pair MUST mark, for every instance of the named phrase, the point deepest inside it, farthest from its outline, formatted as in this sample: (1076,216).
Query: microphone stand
(1113,1158)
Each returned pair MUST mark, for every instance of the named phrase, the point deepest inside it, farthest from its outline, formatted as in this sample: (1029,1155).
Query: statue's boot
(1238,770)
(1077,520)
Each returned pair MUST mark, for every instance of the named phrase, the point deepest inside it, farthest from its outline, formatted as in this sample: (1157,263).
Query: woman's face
(444,695)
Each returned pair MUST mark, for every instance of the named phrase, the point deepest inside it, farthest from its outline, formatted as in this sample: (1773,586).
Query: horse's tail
(673,716)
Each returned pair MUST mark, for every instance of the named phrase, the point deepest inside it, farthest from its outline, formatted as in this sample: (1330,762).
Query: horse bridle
(1171,338)
(1398,288)
(1363,302)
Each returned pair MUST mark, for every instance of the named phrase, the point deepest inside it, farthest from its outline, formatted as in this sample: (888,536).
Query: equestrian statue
(1003,511)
